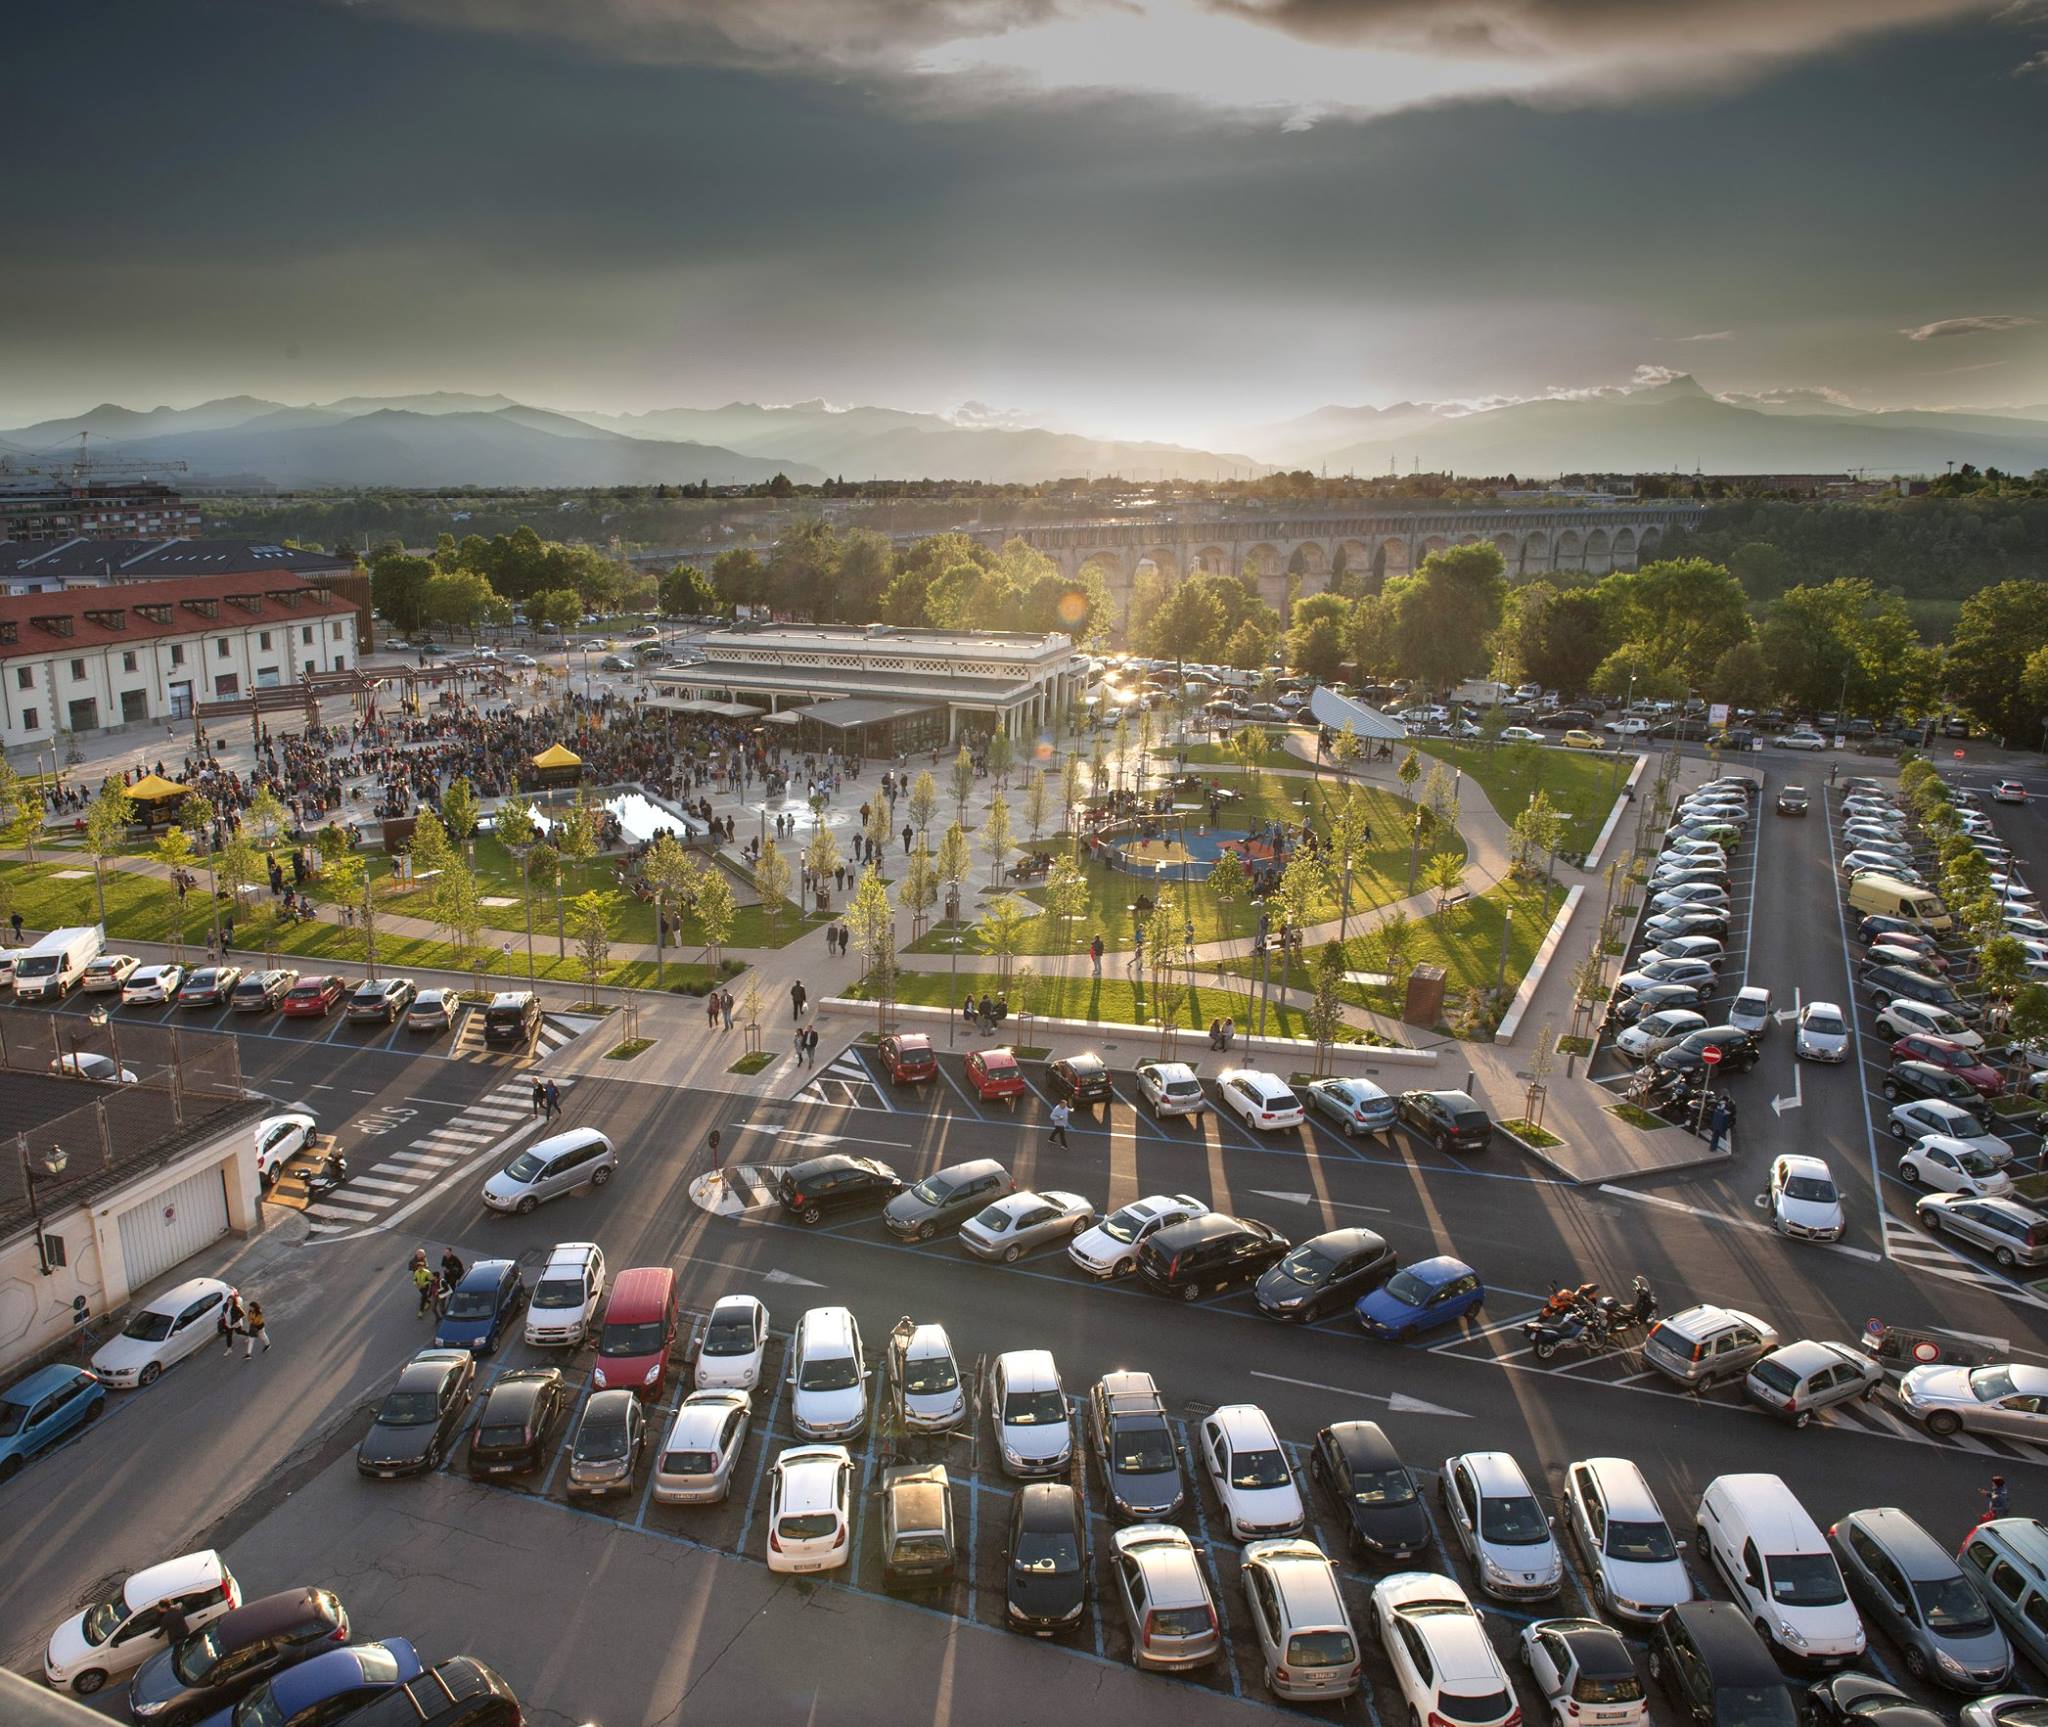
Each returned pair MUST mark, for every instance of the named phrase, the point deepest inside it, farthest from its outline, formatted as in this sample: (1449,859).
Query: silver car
(695,1466)
(1906,1581)
(1012,1226)
(1805,1376)
(1164,1593)
(2004,1398)
(1628,1548)
(1501,1525)
(1706,1344)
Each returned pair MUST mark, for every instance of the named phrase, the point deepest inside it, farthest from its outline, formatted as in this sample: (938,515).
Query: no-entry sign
(1711,1055)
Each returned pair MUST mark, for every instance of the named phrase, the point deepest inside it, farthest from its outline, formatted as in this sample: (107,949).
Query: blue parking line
(1209,1556)
(1088,1541)
(860,1504)
(761,1462)
(659,1435)
(568,1439)
(973,1544)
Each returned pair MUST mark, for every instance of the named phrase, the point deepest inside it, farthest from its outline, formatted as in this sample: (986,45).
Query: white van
(1778,1565)
(56,964)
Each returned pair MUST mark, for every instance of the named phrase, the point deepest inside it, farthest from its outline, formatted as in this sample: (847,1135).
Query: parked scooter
(1584,1327)
(1640,1310)
(330,1173)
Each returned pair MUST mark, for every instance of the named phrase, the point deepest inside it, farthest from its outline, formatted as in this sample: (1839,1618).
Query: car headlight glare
(1791,1636)
(651,1375)
(1949,1664)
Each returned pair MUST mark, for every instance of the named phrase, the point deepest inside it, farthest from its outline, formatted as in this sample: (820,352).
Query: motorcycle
(1584,1327)
(1641,1309)
(330,1173)
(1564,1300)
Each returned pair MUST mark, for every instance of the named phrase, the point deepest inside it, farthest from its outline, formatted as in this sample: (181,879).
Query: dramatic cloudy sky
(1144,216)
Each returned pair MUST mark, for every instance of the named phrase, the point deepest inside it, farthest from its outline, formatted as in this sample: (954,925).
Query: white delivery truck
(56,964)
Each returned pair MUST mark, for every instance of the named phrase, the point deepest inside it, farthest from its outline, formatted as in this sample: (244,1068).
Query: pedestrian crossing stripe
(406,1173)
(553,1034)
(734,1192)
(1925,1253)
(845,1083)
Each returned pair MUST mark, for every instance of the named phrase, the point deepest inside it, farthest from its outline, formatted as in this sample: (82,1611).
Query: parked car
(1248,1468)
(1171,1088)
(1706,1344)
(432,1010)
(566,1296)
(810,1492)
(1585,1674)
(313,997)
(1738,1051)
(695,1464)
(994,1075)
(327,1687)
(124,1626)
(262,991)
(1621,1533)
(1924,1079)
(1163,1589)
(812,1190)
(43,1406)
(608,1443)
(946,1198)
(1109,1249)
(908,1058)
(459,1692)
(1046,1587)
(1208,1254)
(1579,739)
(1501,1525)
(1452,1121)
(162,1332)
(1965,1063)
(1906,1582)
(1443,1661)
(1355,1105)
(1034,1437)
(1708,1659)
(1948,1165)
(1655,1032)
(209,986)
(513,1431)
(1325,1274)
(735,1339)
(828,1375)
(1081,1081)
(1296,1608)
(926,1374)
(1691,974)
(109,973)
(1750,1011)
(2004,1399)
(420,1415)
(1360,1477)
(1010,1227)
(1421,1297)
(1264,1100)
(1915,1118)
(1132,1443)
(217,1664)
(152,985)
(481,1307)
(1779,1569)
(1800,1378)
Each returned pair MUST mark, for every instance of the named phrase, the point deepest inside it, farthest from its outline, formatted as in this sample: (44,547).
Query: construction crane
(86,465)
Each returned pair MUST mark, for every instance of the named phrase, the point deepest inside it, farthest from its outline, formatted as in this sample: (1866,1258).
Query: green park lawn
(1466,942)
(1382,878)
(1114,1000)
(144,909)
(1580,784)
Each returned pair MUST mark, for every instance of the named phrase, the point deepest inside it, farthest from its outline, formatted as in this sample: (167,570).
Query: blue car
(41,1409)
(482,1307)
(325,1688)
(1420,1297)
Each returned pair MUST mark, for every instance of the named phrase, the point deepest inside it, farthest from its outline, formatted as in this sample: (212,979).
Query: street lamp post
(54,1161)
(1627,708)
(1414,846)
(1507,923)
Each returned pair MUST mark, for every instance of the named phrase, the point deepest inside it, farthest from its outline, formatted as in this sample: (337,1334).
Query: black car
(609,1440)
(1710,1662)
(1079,1079)
(460,1692)
(261,991)
(1449,1120)
(1845,1697)
(834,1182)
(420,1414)
(1362,1479)
(1738,1049)
(1209,1253)
(1905,1080)
(1325,1275)
(208,1669)
(1047,1563)
(1132,1443)
(520,1412)
(381,999)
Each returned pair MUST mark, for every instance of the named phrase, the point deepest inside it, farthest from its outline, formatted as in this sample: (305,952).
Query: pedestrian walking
(798,995)
(799,1046)
(711,1010)
(725,1007)
(554,1100)
(540,1099)
(436,1295)
(451,1268)
(1061,1115)
(908,830)
(1719,1122)
(1997,1499)
(229,1323)
(811,1045)
(1095,954)
(15,923)
(253,1328)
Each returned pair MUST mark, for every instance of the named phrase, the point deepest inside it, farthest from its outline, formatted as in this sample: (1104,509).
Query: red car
(994,1073)
(313,997)
(907,1057)
(1946,1052)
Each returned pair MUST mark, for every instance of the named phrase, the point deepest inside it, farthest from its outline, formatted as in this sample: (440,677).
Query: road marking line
(1709,1216)
(382,1182)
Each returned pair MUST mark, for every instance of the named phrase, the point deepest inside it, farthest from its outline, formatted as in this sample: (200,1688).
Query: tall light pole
(54,1161)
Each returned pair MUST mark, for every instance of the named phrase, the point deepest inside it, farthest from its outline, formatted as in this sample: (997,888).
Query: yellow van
(1876,895)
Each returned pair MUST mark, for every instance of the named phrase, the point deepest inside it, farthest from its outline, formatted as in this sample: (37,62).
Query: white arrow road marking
(1396,1402)
(1310,1199)
(1780,1104)
(1788,1013)
(1702,1212)
(778,1275)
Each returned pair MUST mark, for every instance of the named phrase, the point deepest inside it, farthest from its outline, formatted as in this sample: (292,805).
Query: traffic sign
(1959,755)
(1711,1055)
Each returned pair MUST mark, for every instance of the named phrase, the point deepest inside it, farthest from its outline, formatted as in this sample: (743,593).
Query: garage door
(164,1231)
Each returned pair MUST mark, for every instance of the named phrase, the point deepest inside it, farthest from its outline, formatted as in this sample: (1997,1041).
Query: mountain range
(450,439)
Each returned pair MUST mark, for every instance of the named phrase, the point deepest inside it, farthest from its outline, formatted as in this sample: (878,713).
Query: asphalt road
(257,1455)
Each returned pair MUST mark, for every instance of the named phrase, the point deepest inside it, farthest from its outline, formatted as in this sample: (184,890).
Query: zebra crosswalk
(845,1081)
(735,1192)
(1923,1254)
(371,1198)
(469,1042)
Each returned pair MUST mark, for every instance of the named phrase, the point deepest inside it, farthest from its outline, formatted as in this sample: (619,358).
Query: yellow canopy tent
(153,788)
(555,756)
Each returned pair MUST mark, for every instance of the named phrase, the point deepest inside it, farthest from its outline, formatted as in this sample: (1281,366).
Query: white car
(1249,1471)
(927,1378)
(1627,728)
(1034,1434)
(100,1069)
(1585,1672)
(123,1629)
(1948,1165)
(1823,1034)
(1916,1118)
(1904,1017)
(1265,1100)
(1444,1664)
(1750,1011)
(108,973)
(1656,1032)
(809,1492)
(2009,792)
(162,1332)
(1805,1202)
(1520,735)
(2024,924)
(1171,1088)
(1882,860)
(279,1139)
(1800,741)
(566,1296)
(152,984)
(695,1466)
(1110,1249)
(1501,1525)
(1693,893)
(735,1337)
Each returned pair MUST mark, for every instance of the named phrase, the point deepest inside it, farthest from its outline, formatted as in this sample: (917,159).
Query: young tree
(346,876)
(715,909)
(1349,824)
(1443,875)
(1002,756)
(871,928)
(460,814)
(106,826)
(593,916)
(174,852)
(1304,889)
(1326,1010)
(918,892)
(1440,798)
(1249,747)
(822,856)
(575,839)
(772,880)
(1396,940)
(458,909)
(1001,931)
(673,875)
(432,855)
(955,859)
(1534,834)
(924,802)
(1409,772)
(1066,898)
(995,834)
(1038,795)
(878,835)
(1073,784)
(963,783)
(268,816)
(2026,1023)
(21,812)
(517,832)
(238,864)
(1228,883)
